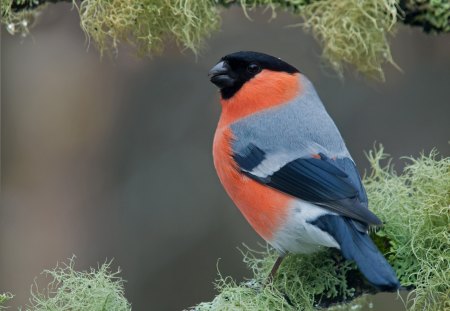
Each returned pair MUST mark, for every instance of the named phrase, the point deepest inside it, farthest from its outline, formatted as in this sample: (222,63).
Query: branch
(432,16)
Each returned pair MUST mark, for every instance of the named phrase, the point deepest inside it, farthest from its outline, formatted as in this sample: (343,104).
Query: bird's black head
(235,69)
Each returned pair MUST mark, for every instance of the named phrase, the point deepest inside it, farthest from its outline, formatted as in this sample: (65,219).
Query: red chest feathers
(263,207)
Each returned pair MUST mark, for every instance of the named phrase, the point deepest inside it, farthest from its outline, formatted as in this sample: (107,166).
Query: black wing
(332,184)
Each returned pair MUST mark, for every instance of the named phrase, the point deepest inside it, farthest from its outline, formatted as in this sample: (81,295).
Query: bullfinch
(283,162)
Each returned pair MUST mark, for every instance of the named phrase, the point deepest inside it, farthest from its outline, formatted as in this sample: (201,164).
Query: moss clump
(95,290)
(147,23)
(415,207)
(353,32)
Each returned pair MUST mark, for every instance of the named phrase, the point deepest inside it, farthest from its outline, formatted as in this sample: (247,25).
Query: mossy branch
(351,31)
(415,239)
(432,16)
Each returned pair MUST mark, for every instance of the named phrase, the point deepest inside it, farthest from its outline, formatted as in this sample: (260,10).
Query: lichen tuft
(415,208)
(146,24)
(95,290)
(353,32)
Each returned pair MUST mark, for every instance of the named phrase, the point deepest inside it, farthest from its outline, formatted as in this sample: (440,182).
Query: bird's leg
(274,270)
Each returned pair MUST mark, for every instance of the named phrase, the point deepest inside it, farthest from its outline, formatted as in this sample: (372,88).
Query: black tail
(356,245)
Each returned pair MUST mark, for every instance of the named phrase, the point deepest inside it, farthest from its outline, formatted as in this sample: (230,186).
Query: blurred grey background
(112,158)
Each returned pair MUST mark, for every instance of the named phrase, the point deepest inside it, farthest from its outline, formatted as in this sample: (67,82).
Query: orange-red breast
(283,162)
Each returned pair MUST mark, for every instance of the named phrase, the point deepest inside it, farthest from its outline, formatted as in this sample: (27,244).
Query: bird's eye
(254,68)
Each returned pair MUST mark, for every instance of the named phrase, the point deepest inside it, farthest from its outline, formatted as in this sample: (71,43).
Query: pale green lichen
(353,32)
(148,23)
(415,207)
(94,290)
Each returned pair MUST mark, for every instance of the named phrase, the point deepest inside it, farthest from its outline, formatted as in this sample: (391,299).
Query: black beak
(221,75)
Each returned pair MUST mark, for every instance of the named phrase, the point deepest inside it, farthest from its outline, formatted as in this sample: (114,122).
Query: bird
(284,164)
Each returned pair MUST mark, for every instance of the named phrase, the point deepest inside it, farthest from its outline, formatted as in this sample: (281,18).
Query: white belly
(297,235)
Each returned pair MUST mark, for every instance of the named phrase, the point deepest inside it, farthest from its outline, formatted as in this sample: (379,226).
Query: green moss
(353,32)
(148,23)
(93,290)
(415,207)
